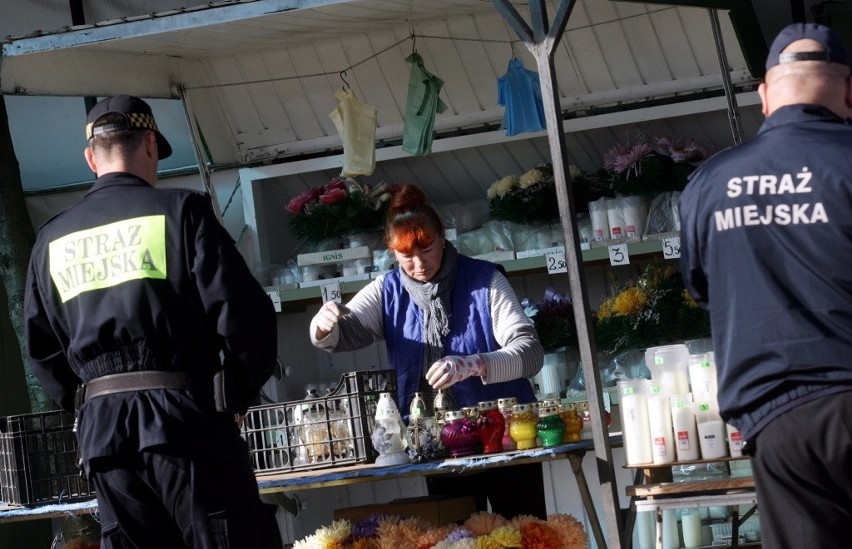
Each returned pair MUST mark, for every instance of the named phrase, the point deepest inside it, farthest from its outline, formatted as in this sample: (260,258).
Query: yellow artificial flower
(630,301)
(688,301)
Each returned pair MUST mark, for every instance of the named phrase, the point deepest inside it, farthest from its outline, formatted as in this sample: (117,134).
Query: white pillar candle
(600,221)
(635,426)
(691,527)
(615,216)
(735,441)
(634,215)
(685,432)
(660,420)
(646,530)
(702,376)
(711,436)
(671,533)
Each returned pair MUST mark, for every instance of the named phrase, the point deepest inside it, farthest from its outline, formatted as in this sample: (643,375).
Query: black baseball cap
(834,51)
(137,114)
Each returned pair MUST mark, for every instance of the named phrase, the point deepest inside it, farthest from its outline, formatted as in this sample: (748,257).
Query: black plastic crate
(38,459)
(328,431)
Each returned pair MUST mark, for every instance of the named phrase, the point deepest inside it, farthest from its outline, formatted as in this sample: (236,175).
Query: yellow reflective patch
(108,255)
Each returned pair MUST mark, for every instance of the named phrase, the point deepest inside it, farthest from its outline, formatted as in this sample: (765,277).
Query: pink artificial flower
(336,183)
(333,196)
(298,203)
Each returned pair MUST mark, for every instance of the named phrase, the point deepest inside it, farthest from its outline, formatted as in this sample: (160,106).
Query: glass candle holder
(573,423)
(522,426)
(505,407)
(491,426)
(550,426)
(458,435)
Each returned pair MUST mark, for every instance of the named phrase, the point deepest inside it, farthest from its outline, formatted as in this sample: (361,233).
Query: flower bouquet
(652,165)
(653,310)
(481,531)
(340,207)
(553,318)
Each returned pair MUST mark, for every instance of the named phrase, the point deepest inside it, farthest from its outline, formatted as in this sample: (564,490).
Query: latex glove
(452,369)
(328,317)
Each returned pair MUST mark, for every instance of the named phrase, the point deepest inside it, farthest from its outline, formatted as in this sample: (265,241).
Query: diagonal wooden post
(541,38)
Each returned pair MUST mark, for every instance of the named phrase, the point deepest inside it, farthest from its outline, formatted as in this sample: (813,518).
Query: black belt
(140,381)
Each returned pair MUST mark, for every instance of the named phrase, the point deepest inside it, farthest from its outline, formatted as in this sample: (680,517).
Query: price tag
(556,262)
(331,292)
(671,247)
(276,299)
(619,255)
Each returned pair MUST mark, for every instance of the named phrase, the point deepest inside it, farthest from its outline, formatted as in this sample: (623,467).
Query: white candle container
(671,533)
(600,221)
(711,430)
(685,431)
(634,421)
(668,366)
(635,214)
(735,441)
(702,376)
(615,217)
(662,434)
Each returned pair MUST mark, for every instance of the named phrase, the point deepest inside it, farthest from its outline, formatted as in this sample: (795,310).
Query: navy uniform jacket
(766,245)
(135,278)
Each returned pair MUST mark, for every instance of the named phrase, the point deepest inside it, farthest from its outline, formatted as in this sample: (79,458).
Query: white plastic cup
(685,431)
(711,430)
(668,366)
(635,425)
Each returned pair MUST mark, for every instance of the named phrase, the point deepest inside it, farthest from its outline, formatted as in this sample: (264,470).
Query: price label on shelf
(276,299)
(331,292)
(619,255)
(671,247)
(556,262)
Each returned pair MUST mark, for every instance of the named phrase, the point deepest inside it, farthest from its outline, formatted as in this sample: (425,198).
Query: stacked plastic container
(674,416)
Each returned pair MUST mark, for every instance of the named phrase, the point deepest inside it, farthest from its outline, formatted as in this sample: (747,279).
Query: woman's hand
(328,317)
(452,369)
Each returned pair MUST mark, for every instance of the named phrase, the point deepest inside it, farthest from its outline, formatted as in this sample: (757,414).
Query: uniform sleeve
(692,272)
(235,304)
(521,353)
(45,352)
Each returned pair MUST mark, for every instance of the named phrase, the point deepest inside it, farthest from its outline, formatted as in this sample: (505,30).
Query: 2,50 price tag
(331,292)
(671,247)
(619,255)
(556,262)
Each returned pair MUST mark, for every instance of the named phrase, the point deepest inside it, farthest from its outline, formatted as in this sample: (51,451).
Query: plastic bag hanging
(356,124)
(422,104)
(519,90)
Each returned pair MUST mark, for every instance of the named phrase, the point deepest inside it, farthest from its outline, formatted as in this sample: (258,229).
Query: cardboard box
(436,509)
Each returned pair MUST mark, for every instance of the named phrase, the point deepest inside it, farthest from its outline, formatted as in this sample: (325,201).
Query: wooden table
(656,490)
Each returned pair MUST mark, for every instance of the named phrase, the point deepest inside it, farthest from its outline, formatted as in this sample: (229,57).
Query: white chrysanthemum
(530,178)
(335,533)
(507,184)
(310,542)
(492,190)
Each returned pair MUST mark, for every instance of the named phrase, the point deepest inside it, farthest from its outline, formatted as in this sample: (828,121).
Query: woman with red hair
(449,322)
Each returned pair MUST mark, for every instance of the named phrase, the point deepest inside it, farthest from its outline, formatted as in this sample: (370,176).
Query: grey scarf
(433,298)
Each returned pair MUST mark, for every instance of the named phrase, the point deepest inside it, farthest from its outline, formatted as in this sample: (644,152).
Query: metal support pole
(203,169)
(541,40)
(733,110)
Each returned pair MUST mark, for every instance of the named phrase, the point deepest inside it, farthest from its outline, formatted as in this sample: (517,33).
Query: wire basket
(38,459)
(328,431)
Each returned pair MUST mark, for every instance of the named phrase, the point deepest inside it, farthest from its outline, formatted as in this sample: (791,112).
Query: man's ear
(89,154)
(761,91)
(151,145)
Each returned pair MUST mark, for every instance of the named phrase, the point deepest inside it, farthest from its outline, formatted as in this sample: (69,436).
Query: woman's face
(422,264)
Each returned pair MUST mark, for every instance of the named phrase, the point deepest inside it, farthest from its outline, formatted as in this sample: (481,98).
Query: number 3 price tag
(619,255)
(331,292)
(671,247)
(556,262)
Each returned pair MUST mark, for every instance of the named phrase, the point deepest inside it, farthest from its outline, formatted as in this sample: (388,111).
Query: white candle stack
(635,425)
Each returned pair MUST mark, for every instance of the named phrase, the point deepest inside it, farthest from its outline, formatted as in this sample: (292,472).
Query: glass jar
(491,426)
(573,423)
(458,435)
(522,426)
(550,426)
(505,407)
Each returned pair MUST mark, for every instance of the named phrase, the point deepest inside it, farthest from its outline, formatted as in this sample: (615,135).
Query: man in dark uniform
(140,295)
(766,245)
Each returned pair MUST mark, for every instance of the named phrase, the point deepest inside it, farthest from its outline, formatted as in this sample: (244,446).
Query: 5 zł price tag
(671,247)
(619,255)
(331,292)
(556,262)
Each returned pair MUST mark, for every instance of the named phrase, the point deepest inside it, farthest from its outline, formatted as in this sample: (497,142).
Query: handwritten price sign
(556,262)
(619,255)
(331,292)
(671,247)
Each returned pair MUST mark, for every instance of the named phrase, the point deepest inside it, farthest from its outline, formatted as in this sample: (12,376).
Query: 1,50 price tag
(556,262)
(671,247)
(619,255)
(331,292)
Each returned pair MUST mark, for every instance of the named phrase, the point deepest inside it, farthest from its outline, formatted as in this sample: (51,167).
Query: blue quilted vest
(470,333)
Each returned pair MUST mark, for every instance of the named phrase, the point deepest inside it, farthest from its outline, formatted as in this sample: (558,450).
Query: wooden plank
(666,489)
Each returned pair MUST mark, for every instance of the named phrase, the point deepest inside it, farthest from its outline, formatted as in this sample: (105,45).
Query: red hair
(411,222)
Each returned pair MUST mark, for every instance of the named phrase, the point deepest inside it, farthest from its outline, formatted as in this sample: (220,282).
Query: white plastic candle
(685,432)
(615,216)
(711,431)
(735,441)
(691,527)
(600,221)
(702,376)
(660,420)
(635,427)
(634,215)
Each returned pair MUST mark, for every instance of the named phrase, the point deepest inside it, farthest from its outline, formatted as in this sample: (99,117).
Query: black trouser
(156,501)
(803,473)
(512,490)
